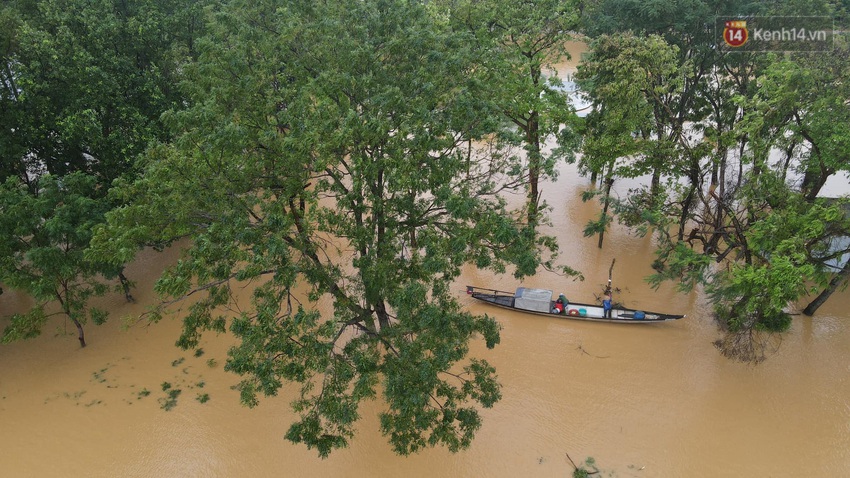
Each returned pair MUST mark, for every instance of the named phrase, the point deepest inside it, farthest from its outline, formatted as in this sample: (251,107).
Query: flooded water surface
(644,401)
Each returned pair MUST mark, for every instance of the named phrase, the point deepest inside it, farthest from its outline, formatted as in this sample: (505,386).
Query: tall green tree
(704,111)
(42,250)
(11,149)
(699,108)
(803,97)
(783,253)
(637,126)
(800,103)
(520,43)
(330,150)
(84,84)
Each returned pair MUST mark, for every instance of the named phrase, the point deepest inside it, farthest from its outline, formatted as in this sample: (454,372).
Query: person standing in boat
(606,304)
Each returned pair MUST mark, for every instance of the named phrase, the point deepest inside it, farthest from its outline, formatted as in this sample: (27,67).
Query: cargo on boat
(541,302)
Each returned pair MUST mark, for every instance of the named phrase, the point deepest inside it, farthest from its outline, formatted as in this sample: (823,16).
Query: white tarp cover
(538,300)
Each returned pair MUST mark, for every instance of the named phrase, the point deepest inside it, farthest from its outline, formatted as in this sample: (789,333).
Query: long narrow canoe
(539,301)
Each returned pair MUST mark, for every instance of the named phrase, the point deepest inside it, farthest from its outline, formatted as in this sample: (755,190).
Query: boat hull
(592,312)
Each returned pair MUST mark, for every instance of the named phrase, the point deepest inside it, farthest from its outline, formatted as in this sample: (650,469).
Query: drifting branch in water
(581,349)
(581,471)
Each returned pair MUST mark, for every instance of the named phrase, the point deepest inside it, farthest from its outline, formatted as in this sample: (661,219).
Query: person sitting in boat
(559,307)
(564,301)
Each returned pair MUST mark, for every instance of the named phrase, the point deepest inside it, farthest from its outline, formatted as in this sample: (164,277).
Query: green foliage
(519,43)
(589,194)
(42,244)
(25,326)
(749,296)
(786,244)
(637,84)
(84,85)
(169,401)
(339,163)
(582,471)
(667,103)
(677,261)
(598,226)
(799,107)
(642,210)
(86,82)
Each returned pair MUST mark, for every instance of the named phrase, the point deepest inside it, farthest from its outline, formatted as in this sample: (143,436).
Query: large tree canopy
(42,250)
(519,44)
(83,85)
(330,149)
(744,143)
(86,82)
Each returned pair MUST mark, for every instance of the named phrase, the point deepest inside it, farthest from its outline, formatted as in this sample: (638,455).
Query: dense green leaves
(519,44)
(42,249)
(326,162)
(744,143)
(84,84)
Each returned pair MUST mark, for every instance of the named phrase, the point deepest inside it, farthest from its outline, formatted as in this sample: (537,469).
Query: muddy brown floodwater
(643,401)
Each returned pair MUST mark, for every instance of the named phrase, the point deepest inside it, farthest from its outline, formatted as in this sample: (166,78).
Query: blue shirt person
(606,305)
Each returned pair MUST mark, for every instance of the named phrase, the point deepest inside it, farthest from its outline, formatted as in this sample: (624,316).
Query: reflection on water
(647,401)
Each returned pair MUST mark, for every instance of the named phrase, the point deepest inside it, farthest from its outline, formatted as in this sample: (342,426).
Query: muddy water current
(644,401)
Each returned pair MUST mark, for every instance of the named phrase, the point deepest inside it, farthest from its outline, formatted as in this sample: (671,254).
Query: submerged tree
(83,85)
(330,151)
(519,44)
(42,250)
(801,100)
(86,83)
(690,117)
(637,126)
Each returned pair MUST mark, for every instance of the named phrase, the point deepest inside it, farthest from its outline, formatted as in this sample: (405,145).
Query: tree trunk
(789,155)
(125,284)
(741,149)
(534,160)
(532,138)
(690,199)
(816,171)
(758,165)
(80,334)
(813,181)
(836,281)
(720,196)
(383,315)
(655,184)
(63,301)
(609,182)
(686,209)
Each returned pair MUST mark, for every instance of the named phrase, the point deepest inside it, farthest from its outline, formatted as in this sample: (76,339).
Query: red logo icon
(735,33)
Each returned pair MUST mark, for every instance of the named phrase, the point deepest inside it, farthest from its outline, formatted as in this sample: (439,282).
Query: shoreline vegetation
(328,148)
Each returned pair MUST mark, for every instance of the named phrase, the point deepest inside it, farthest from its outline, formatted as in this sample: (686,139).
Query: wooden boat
(539,301)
